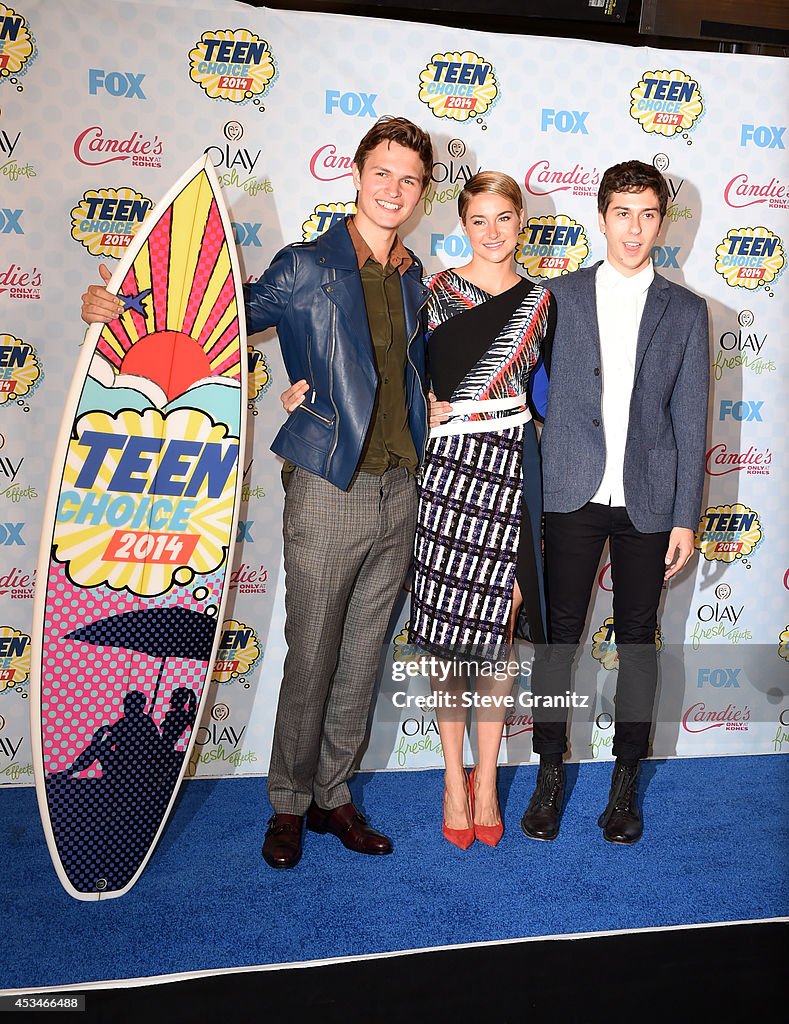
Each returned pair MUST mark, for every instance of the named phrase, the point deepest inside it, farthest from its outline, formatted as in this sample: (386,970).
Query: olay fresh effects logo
(234,65)
(20,371)
(235,164)
(106,219)
(722,460)
(326,164)
(94,147)
(741,191)
(552,246)
(728,533)
(750,258)
(677,209)
(459,86)
(542,179)
(666,103)
(720,621)
(448,177)
(18,48)
(14,660)
(742,349)
(700,718)
(258,377)
(10,168)
(322,218)
(17,282)
(238,653)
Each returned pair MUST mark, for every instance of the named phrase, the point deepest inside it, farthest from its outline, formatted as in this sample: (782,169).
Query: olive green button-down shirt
(388,442)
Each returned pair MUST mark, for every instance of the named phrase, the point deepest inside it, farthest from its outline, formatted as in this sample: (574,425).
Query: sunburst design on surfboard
(168,324)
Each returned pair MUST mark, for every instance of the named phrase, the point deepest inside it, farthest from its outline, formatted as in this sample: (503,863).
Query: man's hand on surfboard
(98,305)
(294,396)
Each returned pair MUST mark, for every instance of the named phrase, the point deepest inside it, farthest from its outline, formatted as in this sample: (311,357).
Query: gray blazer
(666,436)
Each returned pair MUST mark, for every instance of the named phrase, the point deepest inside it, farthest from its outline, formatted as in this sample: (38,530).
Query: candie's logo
(326,164)
(14,660)
(750,257)
(666,102)
(106,219)
(17,45)
(753,462)
(699,718)
(232,64)
(604,644)
(460,86)
(542,179)
(258,377)
(740,192)
(728,532)
(322,218)
(552,246)
(20,371)
(140,516)
(20,284)
(93,147)
(239,650)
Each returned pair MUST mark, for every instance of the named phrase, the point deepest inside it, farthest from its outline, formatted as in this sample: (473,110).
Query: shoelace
(550,780)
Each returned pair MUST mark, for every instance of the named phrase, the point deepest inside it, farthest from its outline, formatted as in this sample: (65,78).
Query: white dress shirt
(620,303)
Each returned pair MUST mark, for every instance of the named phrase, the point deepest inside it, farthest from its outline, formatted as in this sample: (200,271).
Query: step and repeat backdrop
(103,106)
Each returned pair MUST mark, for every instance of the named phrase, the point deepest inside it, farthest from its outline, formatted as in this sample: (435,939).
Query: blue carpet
(715,849)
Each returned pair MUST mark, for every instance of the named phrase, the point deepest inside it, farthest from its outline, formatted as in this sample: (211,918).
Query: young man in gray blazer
(623,452)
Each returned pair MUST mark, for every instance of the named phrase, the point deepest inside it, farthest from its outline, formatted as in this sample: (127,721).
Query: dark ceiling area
(742,26)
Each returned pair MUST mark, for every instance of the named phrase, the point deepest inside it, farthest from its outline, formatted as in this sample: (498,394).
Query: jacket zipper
(331,379)
(317,415)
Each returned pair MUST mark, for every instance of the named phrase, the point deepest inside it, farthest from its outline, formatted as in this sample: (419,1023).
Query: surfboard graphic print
(137,541)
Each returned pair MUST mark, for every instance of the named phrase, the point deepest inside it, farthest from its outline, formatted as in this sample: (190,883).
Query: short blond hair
(491,183)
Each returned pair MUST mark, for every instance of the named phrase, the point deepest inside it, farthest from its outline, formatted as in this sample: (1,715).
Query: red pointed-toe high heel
(488,834)
(460,837)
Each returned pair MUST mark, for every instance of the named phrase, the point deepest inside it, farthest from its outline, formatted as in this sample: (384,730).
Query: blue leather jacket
(312,293)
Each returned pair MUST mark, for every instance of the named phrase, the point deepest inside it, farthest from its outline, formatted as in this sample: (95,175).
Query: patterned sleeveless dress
(479,519)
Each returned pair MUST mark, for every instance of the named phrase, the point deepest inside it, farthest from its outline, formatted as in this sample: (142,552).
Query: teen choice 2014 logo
(403,650)
(728,532)
(258,376)
(667,103)
(750,257)
(459,86)
(233,64)
(17,45)
(105,220)
(239,651)
(604,644)
(323,217)
(783,644)
(14,659)
(552,246)
(140,515)
(20,371)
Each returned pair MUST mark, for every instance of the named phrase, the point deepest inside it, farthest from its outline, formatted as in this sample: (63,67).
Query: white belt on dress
(485,405)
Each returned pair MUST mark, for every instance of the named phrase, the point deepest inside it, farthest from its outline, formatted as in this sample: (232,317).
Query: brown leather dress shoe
(282,845)
(350,827)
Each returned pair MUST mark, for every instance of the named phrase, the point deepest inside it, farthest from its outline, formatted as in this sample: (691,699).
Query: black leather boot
(621,820)
(543,815)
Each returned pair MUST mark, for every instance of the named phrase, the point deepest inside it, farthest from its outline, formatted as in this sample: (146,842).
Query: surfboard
(137,539)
